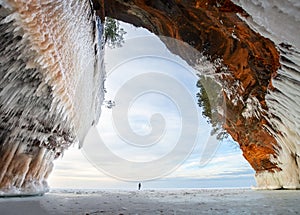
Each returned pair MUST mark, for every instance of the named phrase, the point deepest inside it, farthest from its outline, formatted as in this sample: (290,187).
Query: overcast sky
(155,133)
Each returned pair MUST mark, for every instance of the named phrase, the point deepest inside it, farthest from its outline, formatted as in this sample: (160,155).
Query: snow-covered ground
(188,201)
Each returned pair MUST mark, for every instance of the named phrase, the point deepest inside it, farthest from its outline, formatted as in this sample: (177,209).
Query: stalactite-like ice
(280,21)
(51,86)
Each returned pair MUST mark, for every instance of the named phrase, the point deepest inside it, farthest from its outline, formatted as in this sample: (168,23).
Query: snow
(275,19)
(253,108)
(150,201)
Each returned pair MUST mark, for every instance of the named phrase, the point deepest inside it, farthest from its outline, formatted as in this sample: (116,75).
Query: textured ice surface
(283,105)
(275,19)
(280,21)
(51,86)
(151,201)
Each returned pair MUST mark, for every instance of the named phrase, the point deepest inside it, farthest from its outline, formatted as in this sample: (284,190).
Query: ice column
(51,86)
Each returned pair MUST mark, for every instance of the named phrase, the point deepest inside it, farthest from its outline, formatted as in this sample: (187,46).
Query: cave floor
(196,201)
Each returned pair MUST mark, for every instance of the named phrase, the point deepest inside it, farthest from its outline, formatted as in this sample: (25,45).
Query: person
(139,186)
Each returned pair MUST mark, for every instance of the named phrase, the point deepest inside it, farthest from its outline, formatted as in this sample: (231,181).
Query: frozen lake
(183,201)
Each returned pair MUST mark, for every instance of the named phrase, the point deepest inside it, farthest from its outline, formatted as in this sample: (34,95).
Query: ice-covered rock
(51,86)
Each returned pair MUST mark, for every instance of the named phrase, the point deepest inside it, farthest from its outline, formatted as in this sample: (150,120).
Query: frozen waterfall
(280,21)
(51,86)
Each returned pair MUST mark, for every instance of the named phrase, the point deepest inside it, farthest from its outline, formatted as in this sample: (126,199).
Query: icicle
(50,88)
(280,22)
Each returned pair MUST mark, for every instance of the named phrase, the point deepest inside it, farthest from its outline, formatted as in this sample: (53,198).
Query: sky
(155,133)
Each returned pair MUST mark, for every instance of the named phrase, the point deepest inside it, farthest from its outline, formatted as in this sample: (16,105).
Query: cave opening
(63,101)
(142,121)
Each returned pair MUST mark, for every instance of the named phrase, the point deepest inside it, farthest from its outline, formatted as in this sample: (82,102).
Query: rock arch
(209,26)
(214,28)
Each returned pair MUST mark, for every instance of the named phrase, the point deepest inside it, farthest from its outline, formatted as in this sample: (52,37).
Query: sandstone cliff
(214,28)
(43,81)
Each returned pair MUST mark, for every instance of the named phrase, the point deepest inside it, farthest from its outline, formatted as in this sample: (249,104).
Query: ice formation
(51,86)
(280,21)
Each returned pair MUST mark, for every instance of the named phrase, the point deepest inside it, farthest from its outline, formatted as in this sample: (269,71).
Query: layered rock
(218,30)
(280,22)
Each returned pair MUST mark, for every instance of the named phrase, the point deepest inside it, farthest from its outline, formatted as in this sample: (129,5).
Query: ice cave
(52,77)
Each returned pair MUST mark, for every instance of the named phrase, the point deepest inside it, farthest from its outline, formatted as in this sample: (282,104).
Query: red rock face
(215,29)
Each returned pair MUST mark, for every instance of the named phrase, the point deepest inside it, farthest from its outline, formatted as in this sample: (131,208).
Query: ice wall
(280,21)
(51,86)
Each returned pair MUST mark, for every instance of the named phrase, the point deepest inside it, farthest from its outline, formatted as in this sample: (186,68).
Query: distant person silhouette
(139,186)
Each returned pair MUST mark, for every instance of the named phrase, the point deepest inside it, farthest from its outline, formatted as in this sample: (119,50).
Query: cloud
(75,170)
